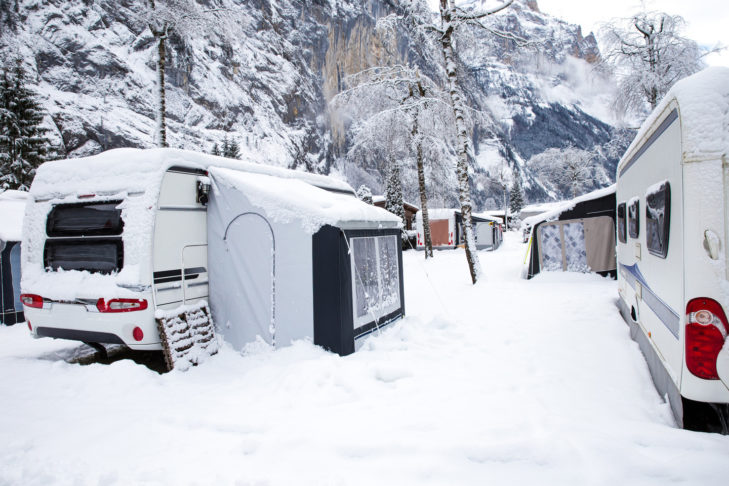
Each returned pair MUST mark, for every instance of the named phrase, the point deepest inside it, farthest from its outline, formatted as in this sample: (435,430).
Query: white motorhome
(280,255)
(673,279)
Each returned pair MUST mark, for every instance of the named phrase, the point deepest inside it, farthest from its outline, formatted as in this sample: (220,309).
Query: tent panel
(575,256)
(600,243)
(439,232)
(550,247)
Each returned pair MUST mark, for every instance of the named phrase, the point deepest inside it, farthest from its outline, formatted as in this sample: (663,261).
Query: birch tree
(649,55)
(452,18)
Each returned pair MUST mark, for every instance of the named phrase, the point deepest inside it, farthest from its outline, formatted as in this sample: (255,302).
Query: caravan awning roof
(567,205)
(287,200)
(134,170)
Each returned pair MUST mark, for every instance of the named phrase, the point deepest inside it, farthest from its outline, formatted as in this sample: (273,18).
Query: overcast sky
(707,20)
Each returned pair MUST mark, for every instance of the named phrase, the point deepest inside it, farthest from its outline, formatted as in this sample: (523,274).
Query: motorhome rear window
(89,219)
(376,277)
(101,256)
(658,219)
(633,218)
(622,234)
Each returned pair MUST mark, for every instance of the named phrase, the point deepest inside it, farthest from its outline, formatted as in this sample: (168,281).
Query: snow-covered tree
(167,17)
(649,55)
(364,194)
(216,149)
(230,148)
(569,169)
(23,145)
(393,192)
(516,195)
(398,116)
(453,17)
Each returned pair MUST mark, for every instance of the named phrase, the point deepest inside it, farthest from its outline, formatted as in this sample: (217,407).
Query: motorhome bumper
(76,335)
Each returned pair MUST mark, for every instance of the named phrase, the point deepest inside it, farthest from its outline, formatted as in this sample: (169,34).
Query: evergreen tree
(364,194)
(23,145)
(393,194)
(216,149)
(517,196)
(233,151)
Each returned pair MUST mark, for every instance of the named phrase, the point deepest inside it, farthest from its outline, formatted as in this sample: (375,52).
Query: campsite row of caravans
(446,229)
(280,255)
(12,209)
(673,230)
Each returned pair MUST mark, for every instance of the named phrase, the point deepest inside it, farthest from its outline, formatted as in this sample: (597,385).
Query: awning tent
(577,236)
(12,209)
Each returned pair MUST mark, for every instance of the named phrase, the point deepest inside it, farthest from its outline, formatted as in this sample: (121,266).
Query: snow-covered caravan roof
(567,205)
(488,217)
(286,200)
(12,209)
(703,107)
(134,170)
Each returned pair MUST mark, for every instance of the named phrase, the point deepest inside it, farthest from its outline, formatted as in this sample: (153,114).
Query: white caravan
(673,279)
(280,255)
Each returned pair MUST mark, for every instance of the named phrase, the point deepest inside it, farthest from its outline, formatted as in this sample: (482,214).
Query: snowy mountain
(263,71)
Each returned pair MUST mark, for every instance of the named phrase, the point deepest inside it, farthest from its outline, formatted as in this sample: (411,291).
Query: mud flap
(187,334)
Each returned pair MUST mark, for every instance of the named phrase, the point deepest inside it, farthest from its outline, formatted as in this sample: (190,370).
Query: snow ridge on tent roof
(703,104)
(287,200)
(567,205)
(134,170)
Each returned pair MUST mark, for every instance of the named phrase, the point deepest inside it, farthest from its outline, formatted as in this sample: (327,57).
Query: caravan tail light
(138,334)
(32,300)
(706,330)
(121,305)
(30,326)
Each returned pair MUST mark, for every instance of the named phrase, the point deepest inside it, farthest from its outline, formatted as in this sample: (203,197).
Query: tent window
(633,218)
(622,234)
(658,219)
(376,277)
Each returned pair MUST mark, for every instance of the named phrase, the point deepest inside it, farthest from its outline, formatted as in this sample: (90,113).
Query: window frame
(51,242)
(633,210)
(622,223)
(52,220)
(381,311)
(663,238)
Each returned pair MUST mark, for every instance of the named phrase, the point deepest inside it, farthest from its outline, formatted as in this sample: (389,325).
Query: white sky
(706,19)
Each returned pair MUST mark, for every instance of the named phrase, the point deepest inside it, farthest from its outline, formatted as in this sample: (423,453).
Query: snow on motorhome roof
(567,205)
(293,200)
(12,209)
(703,105)
(133,170)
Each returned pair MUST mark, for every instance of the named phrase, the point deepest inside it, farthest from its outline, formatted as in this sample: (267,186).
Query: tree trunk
(161,95)
(421,173)
(464,193)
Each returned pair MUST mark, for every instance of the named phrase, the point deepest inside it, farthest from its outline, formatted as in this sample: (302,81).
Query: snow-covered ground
(506,382)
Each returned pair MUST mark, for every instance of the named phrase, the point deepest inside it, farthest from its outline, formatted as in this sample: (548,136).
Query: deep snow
(505,382)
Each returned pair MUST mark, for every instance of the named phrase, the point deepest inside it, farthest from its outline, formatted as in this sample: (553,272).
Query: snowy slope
(536,382)
(262,72)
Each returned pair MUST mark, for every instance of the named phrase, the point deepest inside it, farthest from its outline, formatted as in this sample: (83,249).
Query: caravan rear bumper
(73,321)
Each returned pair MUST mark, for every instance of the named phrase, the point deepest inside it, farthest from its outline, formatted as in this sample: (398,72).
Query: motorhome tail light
(706,330)
(121,305)
(30,327)
(138,334)
(32,300)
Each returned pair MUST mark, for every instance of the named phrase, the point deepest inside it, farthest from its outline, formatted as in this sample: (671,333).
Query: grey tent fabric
(579,245)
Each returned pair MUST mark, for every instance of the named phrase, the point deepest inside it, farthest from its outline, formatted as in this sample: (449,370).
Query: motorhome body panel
(651,284)
(705,268)
(180,241)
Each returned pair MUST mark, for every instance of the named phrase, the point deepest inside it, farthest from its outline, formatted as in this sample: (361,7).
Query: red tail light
(706,331)
(32,300)
(121,305)
(138,334)
(30,327)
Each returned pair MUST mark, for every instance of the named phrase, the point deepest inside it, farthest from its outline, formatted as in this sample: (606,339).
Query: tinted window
(622,235)
(101,256)
(658,219)
(633,219)
(92,219)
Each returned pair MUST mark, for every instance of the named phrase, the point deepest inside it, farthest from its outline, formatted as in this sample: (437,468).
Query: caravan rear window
(633,218)
(376,277)
(91,219)
(85,236)
(622,235)
(658,219)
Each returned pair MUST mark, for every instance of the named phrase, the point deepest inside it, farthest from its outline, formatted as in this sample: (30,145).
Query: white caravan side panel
(649,283)
(180,242)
